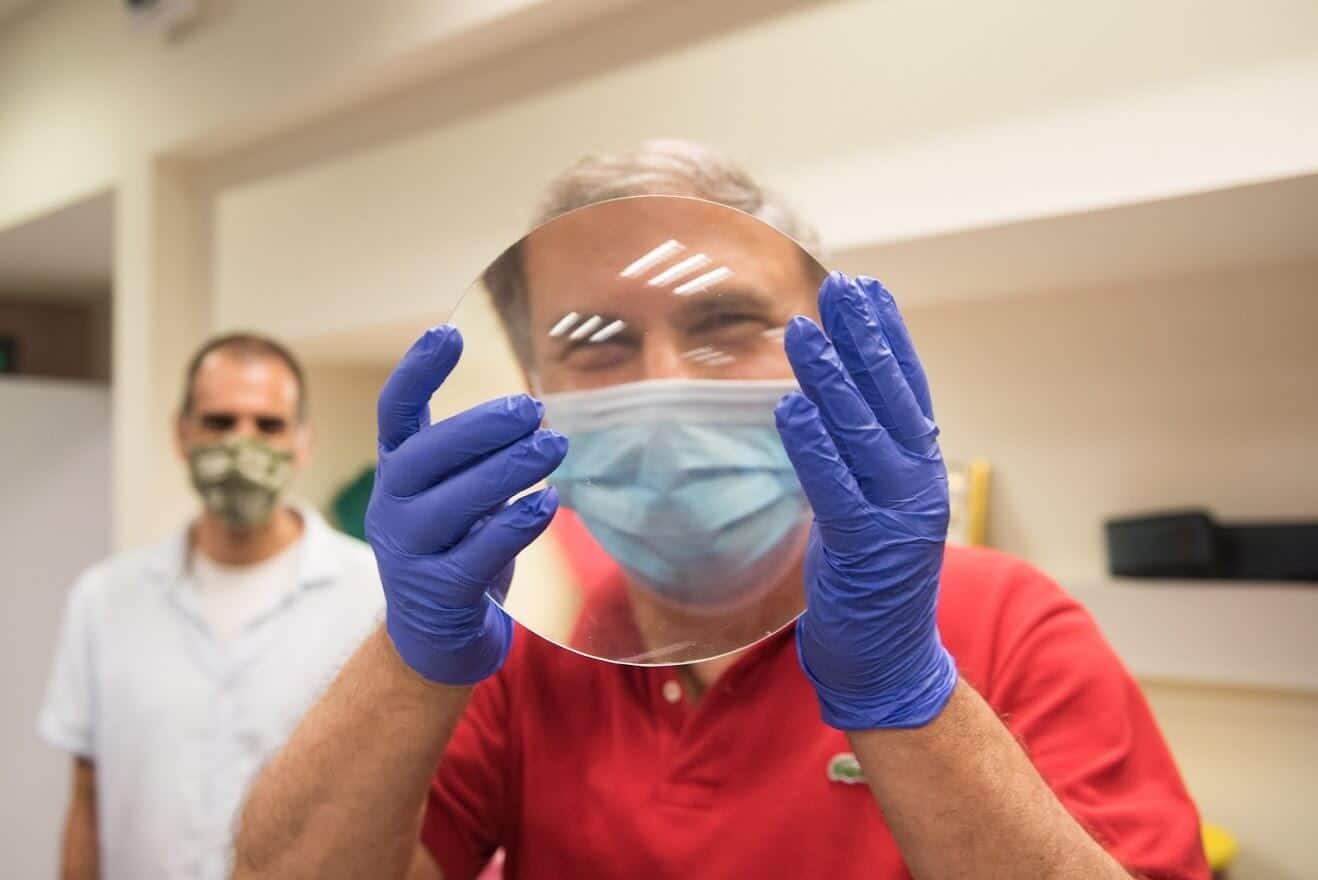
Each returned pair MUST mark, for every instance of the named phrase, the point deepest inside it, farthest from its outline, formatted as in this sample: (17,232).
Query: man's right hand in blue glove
(439,520)
(343,797)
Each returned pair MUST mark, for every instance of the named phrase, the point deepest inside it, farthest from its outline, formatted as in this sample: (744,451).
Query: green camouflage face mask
(240,479)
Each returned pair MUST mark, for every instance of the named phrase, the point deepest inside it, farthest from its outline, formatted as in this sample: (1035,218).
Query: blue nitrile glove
(864,444)
(438,520)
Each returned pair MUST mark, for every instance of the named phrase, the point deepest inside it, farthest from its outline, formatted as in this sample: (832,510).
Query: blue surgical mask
(684,483)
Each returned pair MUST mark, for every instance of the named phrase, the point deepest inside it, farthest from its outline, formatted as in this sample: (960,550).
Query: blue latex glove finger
(861,441)
(502,537)
(438,450)
(899,340)
(404,405)
(457,635)
(434,520)
(854,329)
(839,507)
(456,644)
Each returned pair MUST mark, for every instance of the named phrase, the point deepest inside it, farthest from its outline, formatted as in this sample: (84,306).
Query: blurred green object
(349,506)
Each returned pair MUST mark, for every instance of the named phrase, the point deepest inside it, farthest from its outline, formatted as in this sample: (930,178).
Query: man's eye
(271,425)
(218,421)
(730,321)
(598,355)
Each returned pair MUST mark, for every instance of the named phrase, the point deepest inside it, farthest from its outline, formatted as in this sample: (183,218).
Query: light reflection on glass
(564,324)
(642,264)
(608,331)
(680,270)
(586,328)
(704,282)
(708,356)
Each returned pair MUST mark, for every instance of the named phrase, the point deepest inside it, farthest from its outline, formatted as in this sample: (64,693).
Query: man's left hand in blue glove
(955,788)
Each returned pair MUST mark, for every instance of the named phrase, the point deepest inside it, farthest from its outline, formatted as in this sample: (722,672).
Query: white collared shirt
(178,720)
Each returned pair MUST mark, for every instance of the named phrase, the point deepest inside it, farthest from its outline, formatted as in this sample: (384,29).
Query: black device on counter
(1191,544)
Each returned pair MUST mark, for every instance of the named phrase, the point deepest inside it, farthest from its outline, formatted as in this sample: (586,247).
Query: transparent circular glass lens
(651,328)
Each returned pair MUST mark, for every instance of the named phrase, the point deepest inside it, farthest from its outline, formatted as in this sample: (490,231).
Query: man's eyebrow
(229,413)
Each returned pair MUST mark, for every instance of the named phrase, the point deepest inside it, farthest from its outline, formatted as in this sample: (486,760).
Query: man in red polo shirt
(974,722)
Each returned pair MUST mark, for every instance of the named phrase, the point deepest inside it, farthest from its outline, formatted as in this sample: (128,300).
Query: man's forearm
(79,849)
(343,797)
(963,800)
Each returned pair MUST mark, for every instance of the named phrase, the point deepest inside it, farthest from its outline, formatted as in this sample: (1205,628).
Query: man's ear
(180,440)
(302,445)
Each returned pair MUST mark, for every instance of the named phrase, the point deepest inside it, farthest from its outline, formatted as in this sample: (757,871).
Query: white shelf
(1262,635)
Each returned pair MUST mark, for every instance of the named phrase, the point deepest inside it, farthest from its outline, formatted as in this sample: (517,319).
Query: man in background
(180,667)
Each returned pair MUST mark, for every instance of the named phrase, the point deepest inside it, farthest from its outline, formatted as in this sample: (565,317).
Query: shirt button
(672,691)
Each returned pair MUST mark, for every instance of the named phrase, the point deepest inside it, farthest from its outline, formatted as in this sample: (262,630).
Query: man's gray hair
(658,167)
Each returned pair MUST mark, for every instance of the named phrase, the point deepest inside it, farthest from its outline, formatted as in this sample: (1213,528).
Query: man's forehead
(654,248)
(616,234)
(224,374)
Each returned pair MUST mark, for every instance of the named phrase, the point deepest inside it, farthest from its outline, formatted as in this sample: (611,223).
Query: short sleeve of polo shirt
(66,719)
(468,801)
(1085,724)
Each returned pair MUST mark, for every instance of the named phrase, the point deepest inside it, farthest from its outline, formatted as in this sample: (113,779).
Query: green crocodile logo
(845,768)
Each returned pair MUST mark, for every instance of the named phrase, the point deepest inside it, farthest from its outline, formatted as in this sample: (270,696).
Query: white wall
(55,486)
(1158,393)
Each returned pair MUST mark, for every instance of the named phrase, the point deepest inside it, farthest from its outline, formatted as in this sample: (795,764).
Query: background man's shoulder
(126,571)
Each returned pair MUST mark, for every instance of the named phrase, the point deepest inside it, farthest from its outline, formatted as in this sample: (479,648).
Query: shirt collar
(318,563)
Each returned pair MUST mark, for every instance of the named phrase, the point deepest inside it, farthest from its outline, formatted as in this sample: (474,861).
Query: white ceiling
(1269,223)
(65,254)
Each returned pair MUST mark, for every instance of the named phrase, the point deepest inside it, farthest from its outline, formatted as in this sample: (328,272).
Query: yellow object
(1219,846)
(977,503)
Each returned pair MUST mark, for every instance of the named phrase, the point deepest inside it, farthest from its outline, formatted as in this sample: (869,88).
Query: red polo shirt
(584,769)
